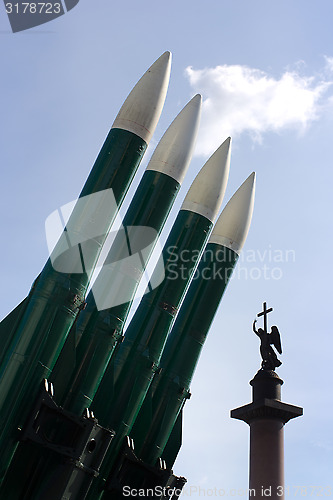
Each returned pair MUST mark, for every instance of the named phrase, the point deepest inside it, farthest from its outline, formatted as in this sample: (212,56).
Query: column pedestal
(266,416)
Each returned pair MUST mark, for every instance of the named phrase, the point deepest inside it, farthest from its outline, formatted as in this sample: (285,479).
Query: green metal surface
(103,329)
(139,354)
(55,300)
(157,309)
(116,164)
(170,389)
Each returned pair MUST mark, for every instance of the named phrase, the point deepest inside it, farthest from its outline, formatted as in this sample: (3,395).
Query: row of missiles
(86,408)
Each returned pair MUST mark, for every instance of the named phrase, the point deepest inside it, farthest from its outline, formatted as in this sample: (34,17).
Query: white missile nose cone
(206,193)
(234,222)
(142,108)
(173,154)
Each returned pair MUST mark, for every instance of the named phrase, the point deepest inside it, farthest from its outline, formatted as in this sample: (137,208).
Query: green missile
(102,328)
(114,289)
(167,395)
(40,326)
(139,355)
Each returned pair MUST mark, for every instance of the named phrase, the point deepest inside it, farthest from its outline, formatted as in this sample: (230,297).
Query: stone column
(266,416)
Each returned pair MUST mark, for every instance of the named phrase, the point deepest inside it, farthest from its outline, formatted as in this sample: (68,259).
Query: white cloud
(329,64)
(239,99)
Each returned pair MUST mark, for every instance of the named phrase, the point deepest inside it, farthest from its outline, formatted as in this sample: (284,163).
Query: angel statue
(269,358)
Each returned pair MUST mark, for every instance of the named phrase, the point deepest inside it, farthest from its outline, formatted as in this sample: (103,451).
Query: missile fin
(143,421)
(109,380)
(62,371)
(174,442)
(10,320)
(8,324)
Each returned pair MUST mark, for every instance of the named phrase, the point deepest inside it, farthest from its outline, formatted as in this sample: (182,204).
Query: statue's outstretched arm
(254,327)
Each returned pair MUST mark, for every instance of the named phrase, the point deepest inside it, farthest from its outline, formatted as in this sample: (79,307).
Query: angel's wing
(275,339)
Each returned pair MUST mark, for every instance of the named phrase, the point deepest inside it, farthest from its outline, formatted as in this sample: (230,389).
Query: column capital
(266,408)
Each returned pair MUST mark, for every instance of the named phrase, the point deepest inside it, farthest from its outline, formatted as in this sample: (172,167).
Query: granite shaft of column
(266,416)
(266,458)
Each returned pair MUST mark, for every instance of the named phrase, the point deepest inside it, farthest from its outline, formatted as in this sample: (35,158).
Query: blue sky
(265,70)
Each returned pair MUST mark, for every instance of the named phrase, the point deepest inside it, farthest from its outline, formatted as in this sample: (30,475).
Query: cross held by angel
(270,360)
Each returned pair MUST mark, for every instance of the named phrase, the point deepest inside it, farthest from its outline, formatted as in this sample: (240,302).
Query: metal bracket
(76,444)
(135,474)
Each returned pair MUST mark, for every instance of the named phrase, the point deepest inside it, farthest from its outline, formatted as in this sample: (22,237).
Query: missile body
(203,198)
(140,353)
(40,328)
(119,278)
(170,389)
